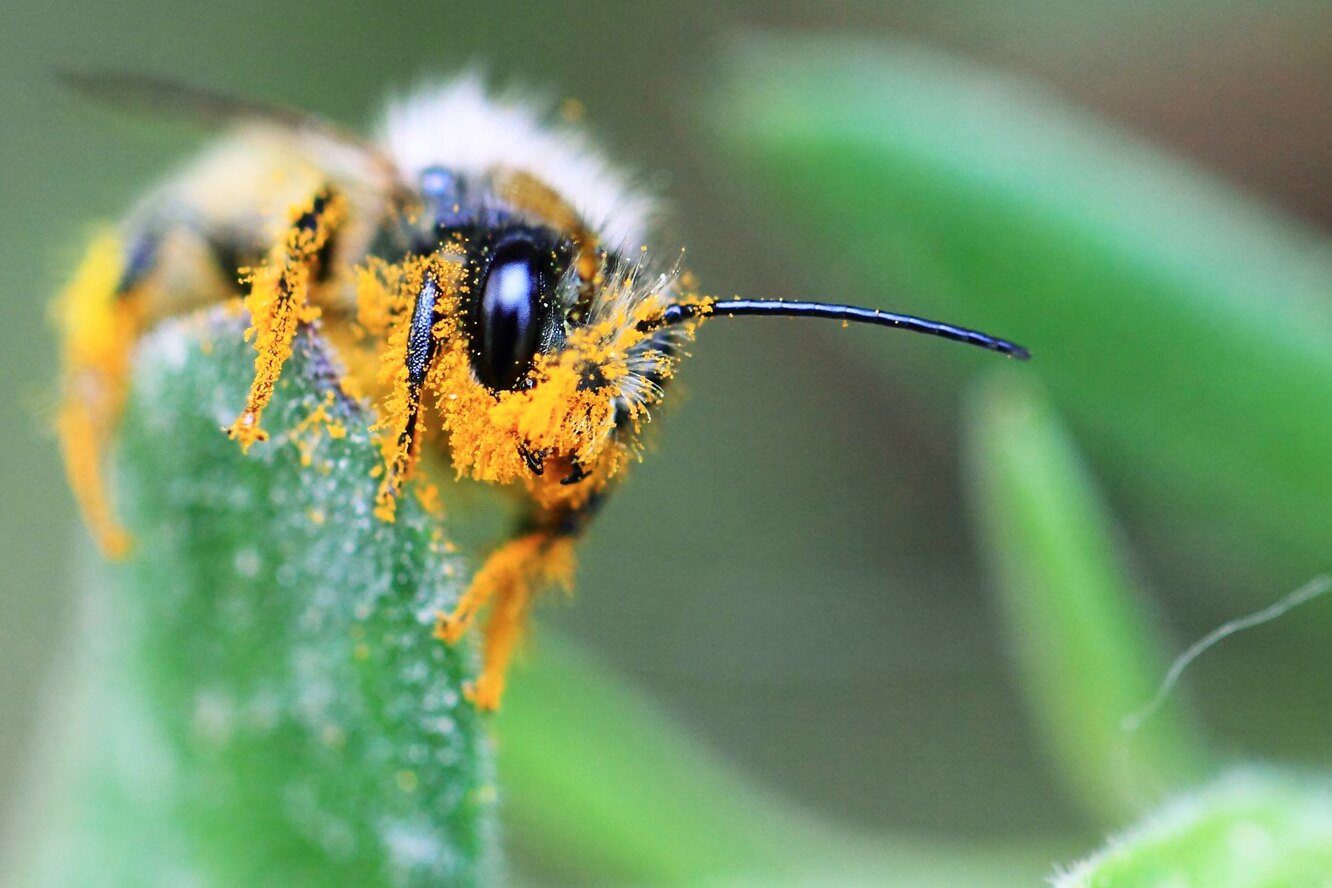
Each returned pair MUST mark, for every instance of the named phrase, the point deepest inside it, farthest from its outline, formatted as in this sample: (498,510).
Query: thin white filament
(1307,592)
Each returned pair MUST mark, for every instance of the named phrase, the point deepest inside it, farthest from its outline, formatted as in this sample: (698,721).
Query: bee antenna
(680,312)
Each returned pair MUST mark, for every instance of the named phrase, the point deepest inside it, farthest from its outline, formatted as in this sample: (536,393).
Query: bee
(483,277)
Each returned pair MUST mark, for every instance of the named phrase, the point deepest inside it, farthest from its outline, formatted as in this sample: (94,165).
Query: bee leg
(99,316)
(541,556)
(404,407)
(279,303)
(513,574)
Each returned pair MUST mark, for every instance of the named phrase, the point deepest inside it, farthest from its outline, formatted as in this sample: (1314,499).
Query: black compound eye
(509,322)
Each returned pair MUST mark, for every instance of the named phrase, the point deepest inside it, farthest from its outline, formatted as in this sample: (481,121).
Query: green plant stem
(1081,632)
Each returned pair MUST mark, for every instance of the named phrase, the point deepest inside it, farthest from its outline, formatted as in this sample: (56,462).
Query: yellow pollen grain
(427,494)
(572,110)
(307,434)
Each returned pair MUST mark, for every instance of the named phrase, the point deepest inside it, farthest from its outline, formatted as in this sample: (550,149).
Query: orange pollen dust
(279,302)
(566,415)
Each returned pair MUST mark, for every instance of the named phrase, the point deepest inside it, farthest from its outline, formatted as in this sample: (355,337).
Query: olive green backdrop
(791,572)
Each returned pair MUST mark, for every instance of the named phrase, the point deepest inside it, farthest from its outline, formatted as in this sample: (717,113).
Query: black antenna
(680,312)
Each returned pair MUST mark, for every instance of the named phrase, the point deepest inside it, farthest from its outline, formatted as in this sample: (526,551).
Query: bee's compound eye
(509,327)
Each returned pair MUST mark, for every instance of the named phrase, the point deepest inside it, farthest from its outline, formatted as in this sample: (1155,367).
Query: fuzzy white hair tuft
(458,125)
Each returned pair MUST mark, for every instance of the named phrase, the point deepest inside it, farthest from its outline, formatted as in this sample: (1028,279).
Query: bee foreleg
(99,316)
(279,302)
(404,409)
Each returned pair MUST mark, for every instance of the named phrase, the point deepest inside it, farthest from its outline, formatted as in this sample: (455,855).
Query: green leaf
(1251,829)
(1182,329)
(607,790)
(1080,630)
(267,704)
(606,781)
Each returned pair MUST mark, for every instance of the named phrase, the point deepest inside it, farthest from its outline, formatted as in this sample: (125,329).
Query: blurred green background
(798,573)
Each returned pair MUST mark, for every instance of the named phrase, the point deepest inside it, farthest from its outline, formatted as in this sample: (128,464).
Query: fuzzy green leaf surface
(1183,329)
(1251,829)
(268,706)
(1086,645)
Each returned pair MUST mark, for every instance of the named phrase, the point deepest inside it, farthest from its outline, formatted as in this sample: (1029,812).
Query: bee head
(556,340)
(541,364)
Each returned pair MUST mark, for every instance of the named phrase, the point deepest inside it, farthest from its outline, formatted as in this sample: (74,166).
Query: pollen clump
(554,417)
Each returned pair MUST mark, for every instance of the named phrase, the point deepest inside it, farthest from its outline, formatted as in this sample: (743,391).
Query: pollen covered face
(530,372)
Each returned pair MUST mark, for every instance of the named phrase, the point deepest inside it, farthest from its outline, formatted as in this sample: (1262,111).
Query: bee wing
(159,96)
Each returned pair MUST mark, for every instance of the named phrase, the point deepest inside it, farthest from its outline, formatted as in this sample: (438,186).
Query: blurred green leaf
(607,782)
(614,793)
(1081,632)
(1252,829)
(1184,331)
(268,705)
